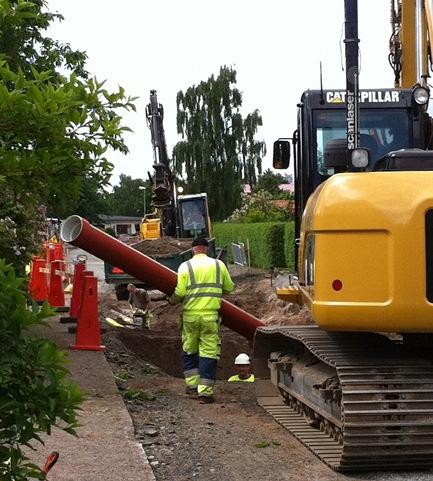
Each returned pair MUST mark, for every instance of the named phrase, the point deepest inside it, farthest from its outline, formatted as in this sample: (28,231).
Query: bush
(265,240)
(22,226)
(110,231)
(289,245)
(259,207)
(34,394)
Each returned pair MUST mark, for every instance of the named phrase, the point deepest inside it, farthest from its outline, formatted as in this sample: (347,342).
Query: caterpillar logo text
(374,96)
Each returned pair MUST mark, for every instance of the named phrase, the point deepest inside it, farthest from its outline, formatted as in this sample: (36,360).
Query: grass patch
(148,369)
(266,444)
(123,376)
(137,395)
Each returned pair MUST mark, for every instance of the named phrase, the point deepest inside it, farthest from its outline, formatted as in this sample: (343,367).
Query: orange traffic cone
(56,296)
(88,336)
(76,293)
(39,288)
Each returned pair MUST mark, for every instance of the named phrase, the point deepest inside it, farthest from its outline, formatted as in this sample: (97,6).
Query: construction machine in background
(361,399)
(181,216)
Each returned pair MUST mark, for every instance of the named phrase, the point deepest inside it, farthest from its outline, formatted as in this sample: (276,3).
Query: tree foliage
(92,202)
(34,392)
(24,46)
(127,198)
(218,152)
(52,135)
(55,129)
(270,182)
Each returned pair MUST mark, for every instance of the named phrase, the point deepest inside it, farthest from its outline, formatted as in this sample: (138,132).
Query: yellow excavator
(357,387)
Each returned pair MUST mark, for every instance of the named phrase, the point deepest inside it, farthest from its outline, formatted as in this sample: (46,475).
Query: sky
(169,45)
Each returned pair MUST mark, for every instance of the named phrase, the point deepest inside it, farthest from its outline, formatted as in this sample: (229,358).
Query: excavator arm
(162,179)
(410,43)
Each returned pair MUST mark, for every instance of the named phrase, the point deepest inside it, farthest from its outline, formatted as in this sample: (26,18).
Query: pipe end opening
(71,228)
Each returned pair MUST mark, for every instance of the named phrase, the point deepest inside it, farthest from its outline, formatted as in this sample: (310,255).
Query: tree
(24,46)
(127,198)
(218,152)
(270,182)
(93,201)
(55,129)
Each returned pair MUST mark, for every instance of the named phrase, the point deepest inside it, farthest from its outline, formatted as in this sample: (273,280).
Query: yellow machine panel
(335,254)
(150,229)
(363,265)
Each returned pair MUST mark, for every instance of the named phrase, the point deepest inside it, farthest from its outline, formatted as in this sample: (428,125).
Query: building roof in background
(119,219)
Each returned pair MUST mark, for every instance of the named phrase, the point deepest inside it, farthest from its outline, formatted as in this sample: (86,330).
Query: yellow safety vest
(236,378)
(201,283)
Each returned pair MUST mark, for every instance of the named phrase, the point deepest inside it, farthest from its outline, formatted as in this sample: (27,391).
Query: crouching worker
(201,282)
(243,367)
(140,301)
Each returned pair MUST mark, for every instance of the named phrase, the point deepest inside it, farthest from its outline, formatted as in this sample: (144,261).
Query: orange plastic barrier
(56,295)
(32,277)
(54,252)
(76,294)
(88,336)
(39,284)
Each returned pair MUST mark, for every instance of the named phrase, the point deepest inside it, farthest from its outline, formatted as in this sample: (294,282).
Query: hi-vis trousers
(201,347)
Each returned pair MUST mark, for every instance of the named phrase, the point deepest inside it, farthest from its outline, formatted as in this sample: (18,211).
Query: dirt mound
(164,246)
(256,295)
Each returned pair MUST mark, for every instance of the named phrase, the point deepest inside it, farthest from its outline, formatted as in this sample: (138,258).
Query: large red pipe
(78,232)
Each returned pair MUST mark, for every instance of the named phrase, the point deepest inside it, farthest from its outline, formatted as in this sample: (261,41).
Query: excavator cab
(193,216)
(391,119)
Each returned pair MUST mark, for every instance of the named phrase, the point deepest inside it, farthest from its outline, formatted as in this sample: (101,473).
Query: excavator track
(385,397)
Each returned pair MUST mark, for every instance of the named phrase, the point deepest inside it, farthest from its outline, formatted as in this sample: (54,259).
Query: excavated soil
(164,246)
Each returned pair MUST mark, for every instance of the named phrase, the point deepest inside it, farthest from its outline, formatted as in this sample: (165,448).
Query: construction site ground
(231,440)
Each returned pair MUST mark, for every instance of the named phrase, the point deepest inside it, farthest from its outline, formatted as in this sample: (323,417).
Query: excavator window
(382,130)
(309,261)
(194,218)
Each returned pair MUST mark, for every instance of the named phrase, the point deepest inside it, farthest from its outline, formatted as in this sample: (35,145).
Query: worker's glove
(173,299)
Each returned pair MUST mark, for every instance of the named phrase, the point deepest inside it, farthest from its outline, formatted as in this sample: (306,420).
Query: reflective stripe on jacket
(201,282)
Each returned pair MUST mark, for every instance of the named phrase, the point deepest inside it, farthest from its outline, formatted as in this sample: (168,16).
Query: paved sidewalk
(105,449)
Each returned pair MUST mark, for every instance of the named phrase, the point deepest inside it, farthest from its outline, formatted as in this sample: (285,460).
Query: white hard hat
(242,359)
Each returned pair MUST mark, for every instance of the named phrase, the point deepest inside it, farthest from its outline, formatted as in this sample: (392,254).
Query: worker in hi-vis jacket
(243,368)
(201,282)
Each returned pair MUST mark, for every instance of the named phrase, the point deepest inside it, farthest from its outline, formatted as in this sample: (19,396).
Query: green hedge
(289,245)
(267,241)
